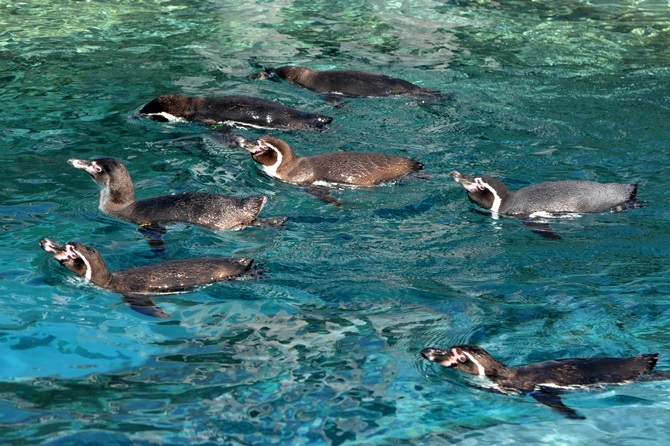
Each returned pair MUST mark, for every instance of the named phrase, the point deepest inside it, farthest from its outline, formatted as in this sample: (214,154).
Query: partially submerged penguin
(212,211)
(319,172)
(544,381)
(138,284)
(547,200)
(232,111)
(336,84)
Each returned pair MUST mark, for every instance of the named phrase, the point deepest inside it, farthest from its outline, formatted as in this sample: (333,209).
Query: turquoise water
(323,349)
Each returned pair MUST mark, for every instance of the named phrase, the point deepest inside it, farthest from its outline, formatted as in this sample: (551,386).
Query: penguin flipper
(541,228)
(143,304)
(554,401)
(323,194)
(154,235)
(334,100)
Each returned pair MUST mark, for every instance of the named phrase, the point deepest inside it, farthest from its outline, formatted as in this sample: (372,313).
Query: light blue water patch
(322,345)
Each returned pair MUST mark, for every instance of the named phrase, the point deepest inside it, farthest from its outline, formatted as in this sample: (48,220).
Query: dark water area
(323,348)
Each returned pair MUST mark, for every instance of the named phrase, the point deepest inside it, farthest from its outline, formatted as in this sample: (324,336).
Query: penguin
(544,381)
(138,284)
(336,84)
(244,111)
(320,172)
(211,211)
(547,200)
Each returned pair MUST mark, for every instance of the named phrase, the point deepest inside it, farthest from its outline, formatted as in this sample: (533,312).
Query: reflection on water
(323,348)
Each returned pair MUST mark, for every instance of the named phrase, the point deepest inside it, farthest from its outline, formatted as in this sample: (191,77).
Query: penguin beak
(470,184)
(259,147)
(60,252)
(262,75)
(81,164)
(51,247)
(446,358)
(91,167)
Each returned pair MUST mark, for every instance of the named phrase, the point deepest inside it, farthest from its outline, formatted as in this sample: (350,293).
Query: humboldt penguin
(320,172)
(547,200)
(244,111)
(138,284)
(337,84)
(545,381)
(212,211)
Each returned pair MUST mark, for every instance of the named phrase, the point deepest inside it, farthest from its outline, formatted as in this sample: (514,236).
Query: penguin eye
(481,185)
(71,253)
(96,167)
(459,356)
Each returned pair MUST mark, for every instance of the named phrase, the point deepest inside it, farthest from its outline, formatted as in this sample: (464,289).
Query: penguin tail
(255,203)
(650,360)
(321,121)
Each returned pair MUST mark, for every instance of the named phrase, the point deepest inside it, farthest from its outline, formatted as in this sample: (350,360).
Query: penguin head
(267,73)
(111,175)
(78,258)
(290,73)
(483,190)
(168,108)
(466,358)
(270,151)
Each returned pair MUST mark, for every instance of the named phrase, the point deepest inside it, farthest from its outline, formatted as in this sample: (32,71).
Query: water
(324,348)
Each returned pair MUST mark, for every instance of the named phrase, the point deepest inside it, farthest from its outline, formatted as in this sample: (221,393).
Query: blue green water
(324,348)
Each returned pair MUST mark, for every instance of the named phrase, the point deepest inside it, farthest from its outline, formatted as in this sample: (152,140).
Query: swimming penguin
(232,111)
(319,172)
(138,284)
(552,199)
(335,84)
(544,381)
(212,211)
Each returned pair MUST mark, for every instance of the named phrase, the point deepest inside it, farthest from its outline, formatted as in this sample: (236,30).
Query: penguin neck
(117,196)
(287,158)
(297,75)
(284,162)
(101,276)
(96,271)
(491,368)
(305,76)
(497,193)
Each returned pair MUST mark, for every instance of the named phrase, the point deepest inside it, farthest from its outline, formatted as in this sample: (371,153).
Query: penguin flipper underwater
(541,228)
(323,193)
(334,100)
(144,305)
(270,222)
(153,234)
(553,400)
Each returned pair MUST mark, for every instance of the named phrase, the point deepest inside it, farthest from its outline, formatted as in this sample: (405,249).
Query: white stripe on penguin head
(497,201)
(272,170)
(480,368)
(89,271)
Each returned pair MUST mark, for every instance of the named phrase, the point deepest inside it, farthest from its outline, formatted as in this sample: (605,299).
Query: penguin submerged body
(328,169)
(349,83)
(544,381)
(137,284)
(212,211)
(233,111)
